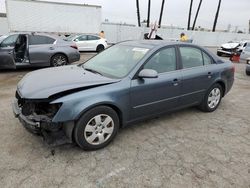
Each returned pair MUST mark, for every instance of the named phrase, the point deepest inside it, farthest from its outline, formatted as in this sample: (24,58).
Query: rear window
(39,39)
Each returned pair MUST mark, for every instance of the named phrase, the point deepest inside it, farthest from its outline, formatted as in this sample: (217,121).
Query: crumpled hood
(231,45)
(44,83)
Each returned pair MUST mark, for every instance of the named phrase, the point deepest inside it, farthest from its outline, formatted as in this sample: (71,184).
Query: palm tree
(189,15)
(138,13)
(216,16)
(162,7)
(196,15)
(148,21)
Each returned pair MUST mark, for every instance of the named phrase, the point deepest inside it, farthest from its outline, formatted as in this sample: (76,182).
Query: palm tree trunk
(216,16)
(162,7)
(196,15)
(189,15)
(148,21)
(138,13)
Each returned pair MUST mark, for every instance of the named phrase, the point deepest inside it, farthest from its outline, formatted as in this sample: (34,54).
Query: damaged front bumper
(53,133)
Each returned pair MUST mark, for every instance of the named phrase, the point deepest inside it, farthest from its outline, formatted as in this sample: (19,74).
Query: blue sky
(232,12)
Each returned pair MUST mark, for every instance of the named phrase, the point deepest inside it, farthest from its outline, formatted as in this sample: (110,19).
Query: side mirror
(76,40)
(148,73)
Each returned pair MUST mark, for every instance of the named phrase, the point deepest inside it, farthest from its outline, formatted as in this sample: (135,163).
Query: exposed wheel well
(222,84)
(115,108)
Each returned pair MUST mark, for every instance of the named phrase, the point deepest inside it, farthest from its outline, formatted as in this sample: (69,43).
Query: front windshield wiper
(92,70)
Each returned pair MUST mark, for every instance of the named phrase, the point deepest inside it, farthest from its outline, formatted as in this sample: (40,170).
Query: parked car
(128,82)
(245,58)
(230,48)
(88,42)
(36,50)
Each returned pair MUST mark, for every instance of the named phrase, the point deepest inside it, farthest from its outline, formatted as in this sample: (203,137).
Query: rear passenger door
(197,74)
(40,49)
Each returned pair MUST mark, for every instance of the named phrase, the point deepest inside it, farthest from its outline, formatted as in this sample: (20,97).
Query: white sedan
(88,42)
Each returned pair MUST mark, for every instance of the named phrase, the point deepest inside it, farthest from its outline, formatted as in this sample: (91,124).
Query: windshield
(116,61)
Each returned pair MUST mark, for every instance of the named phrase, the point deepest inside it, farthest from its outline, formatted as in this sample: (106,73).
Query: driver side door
(7,52)
(151,96)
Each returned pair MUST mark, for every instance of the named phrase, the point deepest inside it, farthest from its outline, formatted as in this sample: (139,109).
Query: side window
(10,41)
(91,37)
(38,39)
(163,61)
(191,57)
(207,60)
(82,38)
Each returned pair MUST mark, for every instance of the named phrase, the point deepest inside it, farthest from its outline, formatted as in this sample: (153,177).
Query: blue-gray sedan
(128,82)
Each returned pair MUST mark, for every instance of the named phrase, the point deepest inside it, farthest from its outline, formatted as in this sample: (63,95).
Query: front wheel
(96,128)
(58,60)
(212,99)
(247,72)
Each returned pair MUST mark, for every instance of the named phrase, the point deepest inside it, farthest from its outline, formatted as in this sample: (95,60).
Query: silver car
(36,50)
(245,58)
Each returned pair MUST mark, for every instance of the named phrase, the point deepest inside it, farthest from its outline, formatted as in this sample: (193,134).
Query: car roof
(151,44)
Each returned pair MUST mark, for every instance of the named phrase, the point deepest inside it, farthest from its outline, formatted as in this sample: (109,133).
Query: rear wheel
(58,60)
(100,48)
(96,128)
(212,98)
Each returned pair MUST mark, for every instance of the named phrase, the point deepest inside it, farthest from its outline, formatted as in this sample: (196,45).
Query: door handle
(175,82)
(51,48)
(10,52)
(209,74)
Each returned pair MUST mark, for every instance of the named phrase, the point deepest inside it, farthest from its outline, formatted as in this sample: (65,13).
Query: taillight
(74,46)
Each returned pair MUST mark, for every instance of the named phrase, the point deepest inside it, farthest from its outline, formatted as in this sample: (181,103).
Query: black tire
(248,73)
(99,48)
(81,135)
(208,107)
(58,60)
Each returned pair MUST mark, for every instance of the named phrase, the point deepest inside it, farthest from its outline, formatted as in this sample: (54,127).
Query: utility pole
(162,7)
(189,16)
(216,16)
(148,21)
(196,15)
(138,13)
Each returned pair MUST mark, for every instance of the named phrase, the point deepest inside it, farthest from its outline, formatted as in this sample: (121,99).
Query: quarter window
(163,61)
(191,57)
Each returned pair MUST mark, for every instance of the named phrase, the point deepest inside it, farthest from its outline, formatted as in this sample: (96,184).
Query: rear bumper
(53,133)
(74,57)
